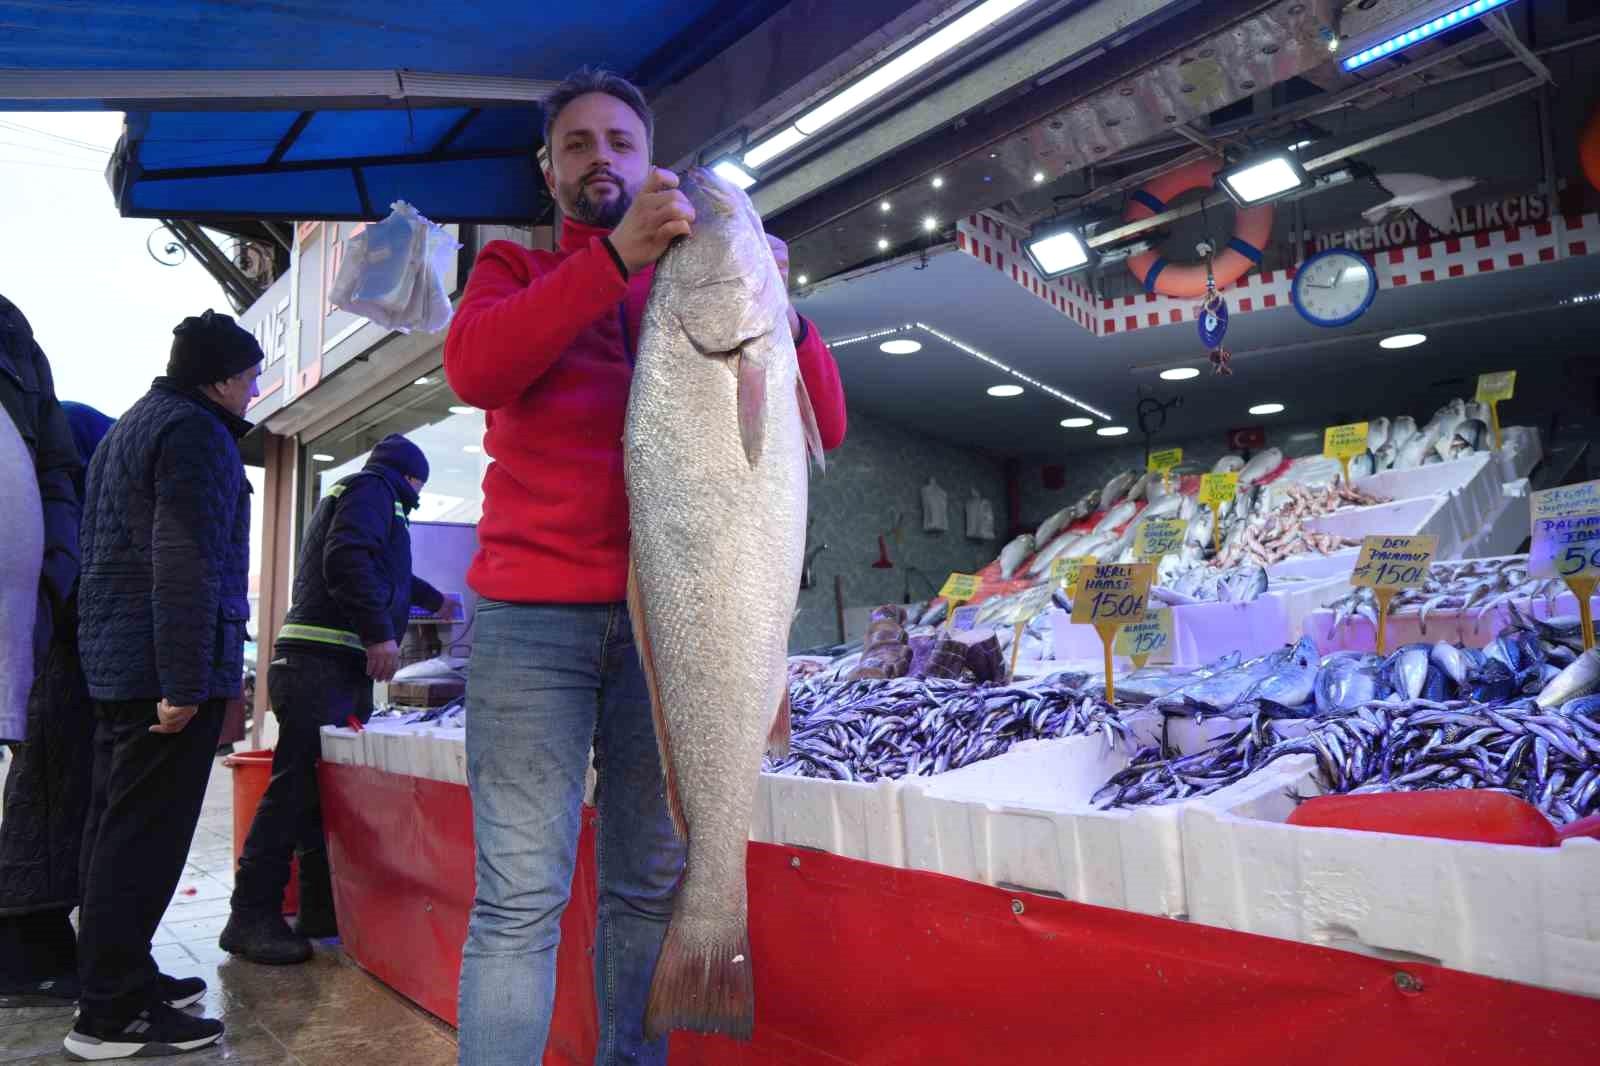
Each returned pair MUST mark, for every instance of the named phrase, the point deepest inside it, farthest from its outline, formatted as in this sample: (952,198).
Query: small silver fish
(1377,433)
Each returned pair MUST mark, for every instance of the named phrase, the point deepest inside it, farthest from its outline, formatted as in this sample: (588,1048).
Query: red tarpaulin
(859,963)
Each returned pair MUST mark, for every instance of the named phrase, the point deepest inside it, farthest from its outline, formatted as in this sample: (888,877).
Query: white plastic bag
(980,517)
(393,273)
(935,508)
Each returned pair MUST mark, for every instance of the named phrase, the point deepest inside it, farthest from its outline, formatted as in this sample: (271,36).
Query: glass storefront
(449,432)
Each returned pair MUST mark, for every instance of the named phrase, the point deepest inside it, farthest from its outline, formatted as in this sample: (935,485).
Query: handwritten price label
(1029,604)
(1218,489)
(1394,562)
(964,618)
(1065,572)
(1566,531)
(960,587)
(1165,460)
(1147,641)
(1344,442)
(1158,537)
(1111,594)
(1492,388)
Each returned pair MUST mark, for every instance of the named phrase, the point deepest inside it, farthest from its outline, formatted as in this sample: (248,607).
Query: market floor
(325,1012)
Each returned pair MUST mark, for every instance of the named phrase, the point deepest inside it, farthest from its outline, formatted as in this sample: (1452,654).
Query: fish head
(725,285)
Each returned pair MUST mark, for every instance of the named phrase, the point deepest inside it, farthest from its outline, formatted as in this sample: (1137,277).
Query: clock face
(1334,288)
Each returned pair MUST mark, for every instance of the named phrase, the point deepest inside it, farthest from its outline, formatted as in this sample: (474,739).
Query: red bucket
(252,770)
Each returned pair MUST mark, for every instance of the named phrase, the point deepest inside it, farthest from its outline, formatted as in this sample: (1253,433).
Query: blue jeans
(547,682)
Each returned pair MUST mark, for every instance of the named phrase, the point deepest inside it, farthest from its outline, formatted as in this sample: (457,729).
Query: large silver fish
(1062,545)
(715,442)
(1264,463)
(22,534)
(1117,516)
(1015,554)
(1055,524)
(1117,488)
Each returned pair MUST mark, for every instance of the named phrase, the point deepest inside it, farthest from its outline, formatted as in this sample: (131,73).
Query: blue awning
(304,110)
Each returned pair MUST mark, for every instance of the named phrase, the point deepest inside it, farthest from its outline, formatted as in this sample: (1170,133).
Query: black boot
(263,937)
(317,920)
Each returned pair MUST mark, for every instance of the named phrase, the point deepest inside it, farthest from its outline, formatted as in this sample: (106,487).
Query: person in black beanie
(353,592)
(162,604)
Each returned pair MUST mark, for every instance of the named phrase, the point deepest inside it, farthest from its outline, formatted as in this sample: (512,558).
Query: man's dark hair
(587,80)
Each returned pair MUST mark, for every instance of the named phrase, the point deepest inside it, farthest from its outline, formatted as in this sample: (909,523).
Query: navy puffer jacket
(164,596)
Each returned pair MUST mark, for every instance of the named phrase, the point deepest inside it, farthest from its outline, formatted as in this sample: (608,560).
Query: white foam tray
(1515,913)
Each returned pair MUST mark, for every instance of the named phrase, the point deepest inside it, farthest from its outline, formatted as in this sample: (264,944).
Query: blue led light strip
(1401,41)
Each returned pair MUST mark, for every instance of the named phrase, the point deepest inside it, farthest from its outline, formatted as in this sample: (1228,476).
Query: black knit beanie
(209,349)
(401,456)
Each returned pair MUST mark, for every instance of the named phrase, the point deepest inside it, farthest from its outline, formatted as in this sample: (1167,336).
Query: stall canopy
(303,110)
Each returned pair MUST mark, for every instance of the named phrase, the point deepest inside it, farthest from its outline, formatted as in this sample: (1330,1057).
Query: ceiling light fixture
(900,347)
(1267,409)
(938,182)
(1026,379)
(463,409)
(1057,249)
(1038,177)
(1005,391)
(1076,423)
(930,224)
(1262,178)
(1112,431)
(883,244)
(885,206)
(802,279)
(1402,340)
(320,457)
(773,146)
(1180,373)
(733,173)
(1401,41)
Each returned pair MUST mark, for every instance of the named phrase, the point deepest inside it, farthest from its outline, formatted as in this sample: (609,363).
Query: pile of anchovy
(877,729)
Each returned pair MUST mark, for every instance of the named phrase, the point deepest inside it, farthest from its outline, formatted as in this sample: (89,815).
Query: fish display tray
(1518,913)
(1428,514)
(412,750)
(1520,451)
(1458,627)
(1470,486)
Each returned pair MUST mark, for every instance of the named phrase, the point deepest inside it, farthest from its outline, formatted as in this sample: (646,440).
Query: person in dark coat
(45,787)
(163,607)
(353,593)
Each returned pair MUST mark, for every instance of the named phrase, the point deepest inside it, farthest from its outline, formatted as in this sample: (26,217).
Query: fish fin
(752,377)
(1439,212)
(703,980)
(647,660)
(778,738)
(808,423)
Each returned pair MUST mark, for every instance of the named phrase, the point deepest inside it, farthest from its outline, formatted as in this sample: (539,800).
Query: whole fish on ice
(715,443)
(1264,463)
(1015,554)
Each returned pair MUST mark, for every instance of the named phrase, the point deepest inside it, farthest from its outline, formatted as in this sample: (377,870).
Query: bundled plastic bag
(980,518)
(393,273)
(935,508)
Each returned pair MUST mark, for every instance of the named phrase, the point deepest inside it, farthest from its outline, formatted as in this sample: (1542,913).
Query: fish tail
(778,738)
(703,980)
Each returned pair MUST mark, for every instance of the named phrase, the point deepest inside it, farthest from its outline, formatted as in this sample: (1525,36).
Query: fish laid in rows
(1116,489)
(713,580)
(1014,554)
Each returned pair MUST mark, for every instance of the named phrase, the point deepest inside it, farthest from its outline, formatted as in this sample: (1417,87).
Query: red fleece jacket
(544,342)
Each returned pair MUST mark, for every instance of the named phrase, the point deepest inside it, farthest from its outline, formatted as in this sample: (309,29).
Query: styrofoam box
(342,745)
(1470,486)
(1515,913)
(1520,451)
(850,818)
(1425,515)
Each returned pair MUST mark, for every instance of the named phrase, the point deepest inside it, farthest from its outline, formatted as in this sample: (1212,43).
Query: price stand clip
(1566,543)
(1388,564)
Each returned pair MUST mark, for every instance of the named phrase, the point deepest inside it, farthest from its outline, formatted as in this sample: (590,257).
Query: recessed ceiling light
(883,244)
(938,182)
(471,449)
(1112,431)
(1267,409)
(321,458)
(930,223)
(1403,340)
(423,381)
(1005,390)
(462,409)
(885,206)
(1180,373)
(1076,423)
(1038,177)
(900,347)
(802,279)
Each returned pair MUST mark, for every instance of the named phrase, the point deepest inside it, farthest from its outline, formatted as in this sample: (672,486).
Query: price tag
(1344,443)
(1147,641)
(1163,461)
(1388,564)
(1566,543)
(1492,388)
(1158,537)
(1028,605)
(960,587)
(1112,593)
(1218,489)
(964,618)
(1064,572)
(1394,562)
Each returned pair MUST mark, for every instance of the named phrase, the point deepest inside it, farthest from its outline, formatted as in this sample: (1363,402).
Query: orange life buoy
(1589,148)
(1252,230)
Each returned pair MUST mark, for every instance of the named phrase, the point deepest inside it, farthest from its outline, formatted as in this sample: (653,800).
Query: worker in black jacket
(353,593)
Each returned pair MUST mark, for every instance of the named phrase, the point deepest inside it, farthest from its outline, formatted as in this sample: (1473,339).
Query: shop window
(449,433)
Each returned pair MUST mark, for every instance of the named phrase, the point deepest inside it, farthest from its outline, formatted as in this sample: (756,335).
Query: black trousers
(148,790)
(308,691)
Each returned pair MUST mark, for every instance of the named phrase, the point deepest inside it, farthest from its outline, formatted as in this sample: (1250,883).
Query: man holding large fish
(692,523)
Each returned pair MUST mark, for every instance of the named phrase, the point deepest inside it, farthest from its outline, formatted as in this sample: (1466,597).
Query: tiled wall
(879,473)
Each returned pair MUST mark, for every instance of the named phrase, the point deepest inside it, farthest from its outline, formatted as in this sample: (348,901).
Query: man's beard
(604,215)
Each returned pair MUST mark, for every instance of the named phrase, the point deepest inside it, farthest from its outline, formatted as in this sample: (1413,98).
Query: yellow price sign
(1344,443)
(1218,489)
(1112,593)
(961,587)
(1064,572)
(1147,641)
(1566,543)
(1158,537)
(1492,388)
(1388,564)
(1163,461)
(1029,604)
